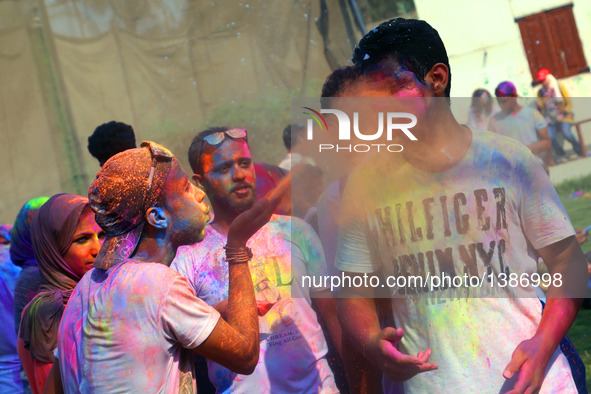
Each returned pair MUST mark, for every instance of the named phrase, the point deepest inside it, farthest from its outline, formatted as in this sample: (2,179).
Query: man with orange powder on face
(456,201)
(293,346)
(133,324)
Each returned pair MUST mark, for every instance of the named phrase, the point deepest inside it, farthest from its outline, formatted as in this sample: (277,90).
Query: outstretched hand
(398,367)
(249,222)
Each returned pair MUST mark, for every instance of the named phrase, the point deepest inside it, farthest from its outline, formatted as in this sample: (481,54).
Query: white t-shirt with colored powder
(128,329)
(293,347)
(487,214)
(521,126)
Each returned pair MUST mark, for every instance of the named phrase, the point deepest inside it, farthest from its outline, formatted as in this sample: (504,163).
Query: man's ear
(438,78)
(157,217)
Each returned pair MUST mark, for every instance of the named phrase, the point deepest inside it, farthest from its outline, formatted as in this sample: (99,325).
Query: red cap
(542,74)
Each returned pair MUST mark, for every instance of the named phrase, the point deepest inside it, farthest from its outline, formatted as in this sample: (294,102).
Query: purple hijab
(52,232)
(21,246)
(22,255)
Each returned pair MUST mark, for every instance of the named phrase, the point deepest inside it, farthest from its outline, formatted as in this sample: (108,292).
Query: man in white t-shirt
(455,202)
(292,137)
(293,346)
(524,124)
(132,323)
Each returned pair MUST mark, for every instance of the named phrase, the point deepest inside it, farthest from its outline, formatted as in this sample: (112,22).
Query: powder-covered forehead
(229,149)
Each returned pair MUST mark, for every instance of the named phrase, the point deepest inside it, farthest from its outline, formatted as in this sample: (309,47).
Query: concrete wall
(484,43)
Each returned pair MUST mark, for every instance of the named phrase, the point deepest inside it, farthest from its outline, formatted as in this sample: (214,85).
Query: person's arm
(363,376)
(530,358)
(359,320)
(326,308)
(544,144)
(492,126)
(26,361)
(567,102)
(234,343)
(54,380)
(581,235)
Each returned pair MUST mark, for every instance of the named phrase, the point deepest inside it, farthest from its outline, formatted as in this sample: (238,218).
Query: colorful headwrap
(21,247)
(52,230)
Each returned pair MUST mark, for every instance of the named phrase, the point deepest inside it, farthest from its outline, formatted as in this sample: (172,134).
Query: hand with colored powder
(526,362)
(397,366)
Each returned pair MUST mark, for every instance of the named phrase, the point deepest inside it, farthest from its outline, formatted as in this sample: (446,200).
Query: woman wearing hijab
(21,254)
(66,239)
(10,380)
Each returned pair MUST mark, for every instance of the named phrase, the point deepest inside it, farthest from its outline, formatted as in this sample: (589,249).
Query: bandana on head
(126,186)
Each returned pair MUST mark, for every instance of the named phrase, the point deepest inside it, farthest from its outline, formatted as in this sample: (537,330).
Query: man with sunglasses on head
(133,324)
(293,347)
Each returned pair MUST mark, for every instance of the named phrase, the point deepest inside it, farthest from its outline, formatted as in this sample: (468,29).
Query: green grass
(579,210)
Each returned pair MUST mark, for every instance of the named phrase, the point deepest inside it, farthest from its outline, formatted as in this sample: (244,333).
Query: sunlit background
(171,68)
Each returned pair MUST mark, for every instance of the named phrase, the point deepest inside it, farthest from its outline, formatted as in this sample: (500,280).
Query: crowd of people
(163,281)
(542,126)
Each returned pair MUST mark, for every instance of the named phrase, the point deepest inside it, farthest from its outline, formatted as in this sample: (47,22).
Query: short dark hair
(291,133)
(339,80)
(413,43)
(109,139)
(195,148)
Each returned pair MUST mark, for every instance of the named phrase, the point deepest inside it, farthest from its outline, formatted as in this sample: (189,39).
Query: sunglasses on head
(217,138)
(161,159)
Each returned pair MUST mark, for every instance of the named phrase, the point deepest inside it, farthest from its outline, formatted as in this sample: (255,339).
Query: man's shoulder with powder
(498,144)
(189,258)
(134,273)
(286,227)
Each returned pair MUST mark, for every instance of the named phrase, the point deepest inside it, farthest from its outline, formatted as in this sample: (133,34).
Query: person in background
(268,177)
(556,106)
(587,301)
(480,109)
(133,324)
(22,255)
(109,139)
(5,230)
(361,375)
(66,239)
(307,185)
(522,123)
(293,346)
(10,380)
(293,135)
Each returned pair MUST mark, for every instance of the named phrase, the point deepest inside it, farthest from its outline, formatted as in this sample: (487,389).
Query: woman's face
(86,243)
(484,98)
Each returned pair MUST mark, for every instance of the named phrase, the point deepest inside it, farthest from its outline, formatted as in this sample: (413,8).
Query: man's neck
(441,143)
(222,219)
(154,249)
(516,109)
